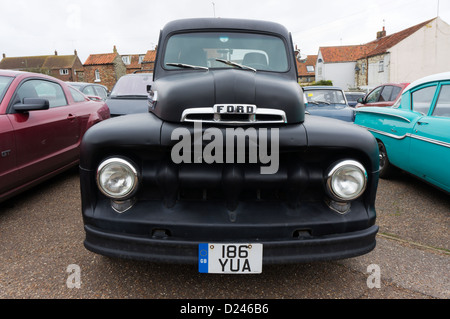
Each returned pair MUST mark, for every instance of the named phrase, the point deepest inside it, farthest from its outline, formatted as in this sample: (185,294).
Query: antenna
(214,9)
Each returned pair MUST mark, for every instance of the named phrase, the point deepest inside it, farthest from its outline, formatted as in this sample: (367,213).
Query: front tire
(386,168)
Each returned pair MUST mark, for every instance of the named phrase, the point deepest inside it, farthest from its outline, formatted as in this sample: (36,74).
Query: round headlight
(117,178)
(346,180)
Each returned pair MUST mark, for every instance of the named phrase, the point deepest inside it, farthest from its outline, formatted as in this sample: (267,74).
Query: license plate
(230,258)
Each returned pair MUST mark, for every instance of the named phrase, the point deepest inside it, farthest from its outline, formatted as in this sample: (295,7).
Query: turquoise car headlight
(346,180)
(117,178)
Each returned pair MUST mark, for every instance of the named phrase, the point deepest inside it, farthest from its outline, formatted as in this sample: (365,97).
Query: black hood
(204,89)
(123,106)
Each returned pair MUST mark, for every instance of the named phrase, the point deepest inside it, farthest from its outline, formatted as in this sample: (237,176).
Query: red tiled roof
(302,64)
(150,56)
(355,52)
(343,53)
(96,59)
(383,44)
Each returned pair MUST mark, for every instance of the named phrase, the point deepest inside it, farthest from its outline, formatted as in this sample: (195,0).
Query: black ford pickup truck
(226,170)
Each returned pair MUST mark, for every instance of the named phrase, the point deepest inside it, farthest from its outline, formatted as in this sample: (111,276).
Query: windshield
(4,84)
(353,97)
(134,85)
(215,50)
(325,97)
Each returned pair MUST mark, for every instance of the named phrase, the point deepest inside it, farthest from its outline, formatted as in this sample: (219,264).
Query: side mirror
(32,104)
(361,100)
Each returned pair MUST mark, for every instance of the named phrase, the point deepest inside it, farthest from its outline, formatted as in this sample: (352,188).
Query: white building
(337,64)
(404,56)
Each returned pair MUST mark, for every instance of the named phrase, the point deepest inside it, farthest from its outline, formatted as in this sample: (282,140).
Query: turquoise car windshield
(215,50)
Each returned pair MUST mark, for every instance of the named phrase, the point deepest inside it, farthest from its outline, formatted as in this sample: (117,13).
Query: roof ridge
(382,44)
(371,48)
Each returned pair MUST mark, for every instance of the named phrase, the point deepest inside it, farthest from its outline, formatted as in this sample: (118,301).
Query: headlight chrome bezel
(333,173)
(129,167)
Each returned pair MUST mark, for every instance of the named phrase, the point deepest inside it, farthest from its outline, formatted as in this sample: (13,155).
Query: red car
(383,95)
(42,121)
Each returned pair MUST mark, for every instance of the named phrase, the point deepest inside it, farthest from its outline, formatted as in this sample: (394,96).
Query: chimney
(56,52)
(115,49)
(4,55)
(75,52)
(381,34)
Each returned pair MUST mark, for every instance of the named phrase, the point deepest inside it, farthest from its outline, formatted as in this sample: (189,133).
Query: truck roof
(221,23)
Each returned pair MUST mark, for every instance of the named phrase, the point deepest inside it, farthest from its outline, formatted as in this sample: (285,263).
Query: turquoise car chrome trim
(430,140)
(384,133)
(387,114)
(417,137)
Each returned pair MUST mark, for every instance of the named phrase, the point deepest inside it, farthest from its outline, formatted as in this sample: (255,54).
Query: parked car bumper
(338,246)
(154,233)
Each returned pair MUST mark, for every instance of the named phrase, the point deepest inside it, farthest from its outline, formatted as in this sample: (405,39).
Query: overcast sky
(39,27)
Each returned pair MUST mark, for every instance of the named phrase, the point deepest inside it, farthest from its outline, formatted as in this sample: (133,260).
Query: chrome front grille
(234,114)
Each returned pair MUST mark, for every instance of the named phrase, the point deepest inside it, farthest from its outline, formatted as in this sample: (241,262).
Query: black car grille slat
(229,183)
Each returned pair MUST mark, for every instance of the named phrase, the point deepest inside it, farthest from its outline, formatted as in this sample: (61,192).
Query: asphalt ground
(41,233)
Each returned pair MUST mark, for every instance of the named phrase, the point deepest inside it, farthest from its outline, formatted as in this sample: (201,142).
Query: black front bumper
(151,231)
(329,247)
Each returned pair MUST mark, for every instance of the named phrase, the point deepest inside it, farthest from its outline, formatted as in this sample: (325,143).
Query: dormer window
(126,59)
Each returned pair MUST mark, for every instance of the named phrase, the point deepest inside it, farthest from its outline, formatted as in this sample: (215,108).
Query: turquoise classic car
(414,134)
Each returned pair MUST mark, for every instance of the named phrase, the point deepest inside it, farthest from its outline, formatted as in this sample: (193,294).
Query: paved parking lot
(42,235)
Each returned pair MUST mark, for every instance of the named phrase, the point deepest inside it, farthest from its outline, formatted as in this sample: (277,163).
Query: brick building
(133,62)
(148,63)
(63,67)
(104,69)
(306,69)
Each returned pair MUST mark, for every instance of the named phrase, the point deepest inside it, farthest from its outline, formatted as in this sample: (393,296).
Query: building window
(310,68)
(64,71)
(126,59)
(141,58)
(319,71)
(381,66)
(97,76)
(363,68)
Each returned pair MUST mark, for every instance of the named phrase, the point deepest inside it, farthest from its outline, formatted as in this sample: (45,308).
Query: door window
(442,108)
(89,90)
(101,92)
(77,96)
(395,91)
(374,95)
(51,91)
(386,94)
(422,99)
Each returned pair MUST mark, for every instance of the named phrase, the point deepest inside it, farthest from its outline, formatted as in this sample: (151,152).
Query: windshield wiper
(319,102)
(187,66)
(244,67)
(130,96)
